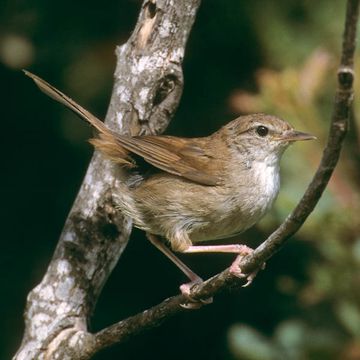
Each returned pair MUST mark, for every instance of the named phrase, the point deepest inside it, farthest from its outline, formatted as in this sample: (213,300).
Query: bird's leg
(232,248)
(241,250)
(194,278)
(167,252)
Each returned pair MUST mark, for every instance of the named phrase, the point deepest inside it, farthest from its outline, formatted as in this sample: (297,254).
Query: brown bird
(205,188)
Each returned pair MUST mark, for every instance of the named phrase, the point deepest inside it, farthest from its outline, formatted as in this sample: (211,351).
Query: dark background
(241,57)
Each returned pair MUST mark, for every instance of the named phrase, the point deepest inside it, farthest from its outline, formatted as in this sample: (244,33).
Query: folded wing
(179,156)
(188,158)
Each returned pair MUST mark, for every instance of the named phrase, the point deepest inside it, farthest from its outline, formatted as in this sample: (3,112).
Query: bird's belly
(223,224)
(239,211)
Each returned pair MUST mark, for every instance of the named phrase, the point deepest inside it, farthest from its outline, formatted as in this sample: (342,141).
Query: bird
(198,189)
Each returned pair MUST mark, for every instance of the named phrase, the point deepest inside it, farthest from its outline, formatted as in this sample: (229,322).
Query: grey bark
(147,89)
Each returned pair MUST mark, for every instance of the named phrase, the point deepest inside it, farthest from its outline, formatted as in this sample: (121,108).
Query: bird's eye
(262,130)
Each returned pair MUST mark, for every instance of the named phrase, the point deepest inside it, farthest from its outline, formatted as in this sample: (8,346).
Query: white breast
(268,179)
(256,197)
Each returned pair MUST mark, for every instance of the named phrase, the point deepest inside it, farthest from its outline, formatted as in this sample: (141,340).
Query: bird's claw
(236,270)
(192,303)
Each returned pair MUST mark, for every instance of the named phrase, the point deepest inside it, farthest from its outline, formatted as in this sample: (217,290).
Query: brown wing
(188,158)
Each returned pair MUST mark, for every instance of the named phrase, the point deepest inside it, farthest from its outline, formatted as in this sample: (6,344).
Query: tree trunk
(147,90)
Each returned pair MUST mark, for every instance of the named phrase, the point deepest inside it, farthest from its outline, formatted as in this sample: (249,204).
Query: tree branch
(338,127)
(147,90)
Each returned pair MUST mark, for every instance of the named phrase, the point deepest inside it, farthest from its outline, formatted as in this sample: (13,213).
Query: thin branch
(342,104)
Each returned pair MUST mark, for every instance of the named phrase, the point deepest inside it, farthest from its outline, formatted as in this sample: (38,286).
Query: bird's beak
(294,135)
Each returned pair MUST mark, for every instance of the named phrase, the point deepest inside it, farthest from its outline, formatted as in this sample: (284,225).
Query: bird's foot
(236,270)
(193,304)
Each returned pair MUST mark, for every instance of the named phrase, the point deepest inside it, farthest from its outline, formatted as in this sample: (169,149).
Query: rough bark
(146,92)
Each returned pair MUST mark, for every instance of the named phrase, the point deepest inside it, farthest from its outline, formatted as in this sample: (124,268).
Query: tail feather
(107,142)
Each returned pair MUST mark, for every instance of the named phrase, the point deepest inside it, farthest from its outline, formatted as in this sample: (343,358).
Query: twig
(342,104)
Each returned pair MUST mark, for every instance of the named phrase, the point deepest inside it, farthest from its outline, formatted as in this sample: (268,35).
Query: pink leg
(233,248)
(194,278)
(241,250)
(169,254)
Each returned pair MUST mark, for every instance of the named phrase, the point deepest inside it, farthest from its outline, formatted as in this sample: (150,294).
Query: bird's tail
(107,141)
